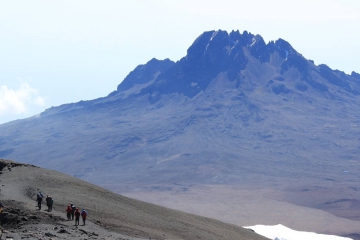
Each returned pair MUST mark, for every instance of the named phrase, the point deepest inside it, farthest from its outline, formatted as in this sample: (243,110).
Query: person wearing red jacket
(68,212)
(83,215)
(77,217)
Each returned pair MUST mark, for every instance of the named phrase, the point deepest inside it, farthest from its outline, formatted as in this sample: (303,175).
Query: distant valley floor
(246,207)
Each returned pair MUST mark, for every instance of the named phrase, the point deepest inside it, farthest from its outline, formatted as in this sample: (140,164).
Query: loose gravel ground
(110,216)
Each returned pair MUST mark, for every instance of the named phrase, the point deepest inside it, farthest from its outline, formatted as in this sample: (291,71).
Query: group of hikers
(49,201)
(71,211)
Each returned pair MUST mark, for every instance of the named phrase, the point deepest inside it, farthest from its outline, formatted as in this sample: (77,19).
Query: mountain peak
(355,74)
(281,44)
(219,52)
(145,73)
(258,49)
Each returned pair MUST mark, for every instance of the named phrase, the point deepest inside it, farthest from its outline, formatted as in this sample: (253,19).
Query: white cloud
(17,101)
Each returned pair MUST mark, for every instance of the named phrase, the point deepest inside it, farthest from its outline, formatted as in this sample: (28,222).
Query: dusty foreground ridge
(110,216)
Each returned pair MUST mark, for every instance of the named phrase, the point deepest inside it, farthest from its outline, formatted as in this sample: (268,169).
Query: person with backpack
(39,199)
(49,202)
(73,208)
(77,217)
(68,212)
(83,215)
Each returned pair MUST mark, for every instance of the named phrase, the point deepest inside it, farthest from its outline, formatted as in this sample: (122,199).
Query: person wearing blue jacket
(39,199)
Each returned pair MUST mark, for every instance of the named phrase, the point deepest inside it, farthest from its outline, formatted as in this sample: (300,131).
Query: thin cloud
(17,101)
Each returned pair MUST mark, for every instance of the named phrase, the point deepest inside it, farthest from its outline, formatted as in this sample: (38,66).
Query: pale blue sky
(55,52)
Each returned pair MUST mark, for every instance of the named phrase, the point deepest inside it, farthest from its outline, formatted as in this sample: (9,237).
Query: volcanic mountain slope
(109,210)
(235,112)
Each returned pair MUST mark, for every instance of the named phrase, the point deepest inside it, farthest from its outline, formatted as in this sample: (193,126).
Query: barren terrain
(246,207)
(110,216)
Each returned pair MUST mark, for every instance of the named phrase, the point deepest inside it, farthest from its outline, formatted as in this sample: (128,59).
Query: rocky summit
(234,112)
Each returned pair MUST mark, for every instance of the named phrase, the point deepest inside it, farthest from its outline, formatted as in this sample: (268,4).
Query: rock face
(233,111)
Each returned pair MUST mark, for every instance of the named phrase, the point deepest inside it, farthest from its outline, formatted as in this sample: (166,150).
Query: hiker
(83,215)
(68,212)
(77,217)
(39,198)
(1,207)
(49,202)
(73,208)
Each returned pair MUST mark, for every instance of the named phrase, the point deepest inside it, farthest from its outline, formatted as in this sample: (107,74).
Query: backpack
(39,196)
(83,213)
